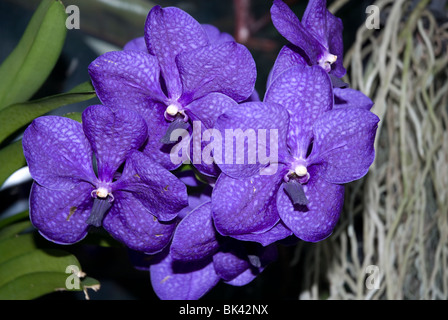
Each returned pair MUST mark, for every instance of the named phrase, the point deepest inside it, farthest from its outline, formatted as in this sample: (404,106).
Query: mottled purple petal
(168,32)
(127,79)
(137,44)
(182,281)
(195,236)
(306,92)
(229,265)
(344,143)
(253,137)
(276,233)
(265,256)
(215,35)
(242,279)
(289,26)
(227,68)
(58,154)
(352,98)
(317,220)
(130,222)
(315,20)
(203,113)
(242,206)
(208,108)
(161,193)
(288,57)
(112,136)
(60,215)
(336,44)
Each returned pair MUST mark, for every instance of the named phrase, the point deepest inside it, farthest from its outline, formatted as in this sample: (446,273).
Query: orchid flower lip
(102,193)
(298,171)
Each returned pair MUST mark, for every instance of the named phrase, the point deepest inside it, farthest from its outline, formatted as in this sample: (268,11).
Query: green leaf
(11,159)
(14,218)
(28,271)
(35,261)
(15,246)
(18,115)
(14,229)
(29,64)
(33,285)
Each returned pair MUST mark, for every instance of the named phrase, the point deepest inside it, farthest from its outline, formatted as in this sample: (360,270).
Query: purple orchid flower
(316,40)
(199,258)
(186,73)
(320,148)
(135,199)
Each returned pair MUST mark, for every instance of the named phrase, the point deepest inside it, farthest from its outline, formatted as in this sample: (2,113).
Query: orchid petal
(195,236)
(112,136)
(130,222)
(58,154)
(290,27)
(352,98)
(248,129)
(176,280)
(137,44)
(127,79)
(315,20)
(215,35)
(60,215)
(288,57)
(336,44)
(265,256)
(276,233)
(168,32)
(229,265)
(161,193)
(306,93)
(242,206)
(315,221)
(203,113)
(344,143)
(226,67)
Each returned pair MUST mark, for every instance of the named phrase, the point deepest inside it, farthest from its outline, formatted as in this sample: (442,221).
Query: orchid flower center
(172,110)
(101,192)
(102,201)
(297,176)
(301,170)
(178,119)
(327,60)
